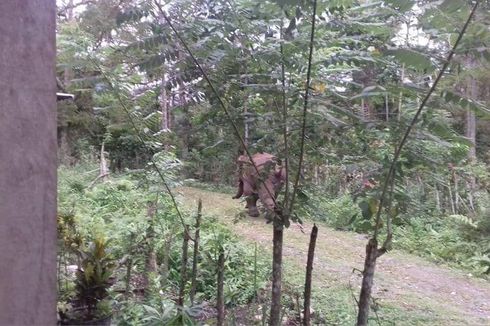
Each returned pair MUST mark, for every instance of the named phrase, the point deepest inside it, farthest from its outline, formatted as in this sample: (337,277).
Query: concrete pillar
(27,163)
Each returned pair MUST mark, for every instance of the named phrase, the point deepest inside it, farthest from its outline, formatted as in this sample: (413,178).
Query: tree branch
(305,109)
(415,120)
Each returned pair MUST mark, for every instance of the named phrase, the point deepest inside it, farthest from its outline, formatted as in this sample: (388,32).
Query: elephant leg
(252,205)
(266,194)
(245,188)
(240,190)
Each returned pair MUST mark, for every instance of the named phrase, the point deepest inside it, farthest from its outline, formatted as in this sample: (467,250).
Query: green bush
(340,213)
(444,240)
(118,209)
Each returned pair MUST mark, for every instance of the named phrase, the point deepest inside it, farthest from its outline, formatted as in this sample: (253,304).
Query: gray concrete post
(27,163)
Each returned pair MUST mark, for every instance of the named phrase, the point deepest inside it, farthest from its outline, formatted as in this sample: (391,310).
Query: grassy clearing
(409,290)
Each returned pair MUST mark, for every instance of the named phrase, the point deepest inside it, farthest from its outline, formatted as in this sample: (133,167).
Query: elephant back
(267,165)
(261,160)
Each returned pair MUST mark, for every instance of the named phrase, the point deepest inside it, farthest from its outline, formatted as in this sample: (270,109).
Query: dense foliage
(117,212)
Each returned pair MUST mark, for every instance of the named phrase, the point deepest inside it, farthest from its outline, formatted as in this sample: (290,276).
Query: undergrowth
(117,209)
(452,239)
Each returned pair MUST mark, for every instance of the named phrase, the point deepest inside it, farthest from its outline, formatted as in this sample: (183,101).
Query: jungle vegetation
(379,110)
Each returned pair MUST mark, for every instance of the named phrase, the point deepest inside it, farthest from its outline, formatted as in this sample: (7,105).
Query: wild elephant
(264,186)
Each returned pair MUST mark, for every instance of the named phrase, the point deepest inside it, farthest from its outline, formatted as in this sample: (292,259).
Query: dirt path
(404,281)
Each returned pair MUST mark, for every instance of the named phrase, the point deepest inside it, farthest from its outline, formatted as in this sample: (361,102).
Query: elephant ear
(280,172)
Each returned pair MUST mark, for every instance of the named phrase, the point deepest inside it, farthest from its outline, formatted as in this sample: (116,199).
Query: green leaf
(412,59)
(464,219)
(365,210)
(466,103)
(400,5)
(339,5)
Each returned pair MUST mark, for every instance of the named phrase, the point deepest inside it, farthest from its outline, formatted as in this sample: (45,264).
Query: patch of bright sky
(409,33)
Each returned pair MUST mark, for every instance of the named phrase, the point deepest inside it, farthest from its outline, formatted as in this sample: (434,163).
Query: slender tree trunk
(451,199)
(255,270)
(400,98)
(277,241)
(285,128)
(151,256)
(316,178)
(472,92)
(183,268)
(164,104)
(169,112)
(456,192)
(246,135)
(364,113)
(438,198)
(196,252)
(64,147)
(129,267)
(308,279)
(246,124)
(104,169)
(220,304)
(387,108)
(64,152)
(470,131)
(367,282)
(166,257)
(186,125)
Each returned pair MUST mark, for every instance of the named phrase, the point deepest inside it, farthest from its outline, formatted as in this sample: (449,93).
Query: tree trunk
(64,152)
(277,240)
(246,124)
(164,104)
(196,252)
(129,267)
(470,133)
(308,279)
(151,266)
(104,169)
(220,298)
(166,257)
(28,163)
(470,129)
(367,282)
(387,108)
(366,77)
(470,118)
(456,192)
(400,98)
(438,198)
(183,268)
(450,196)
